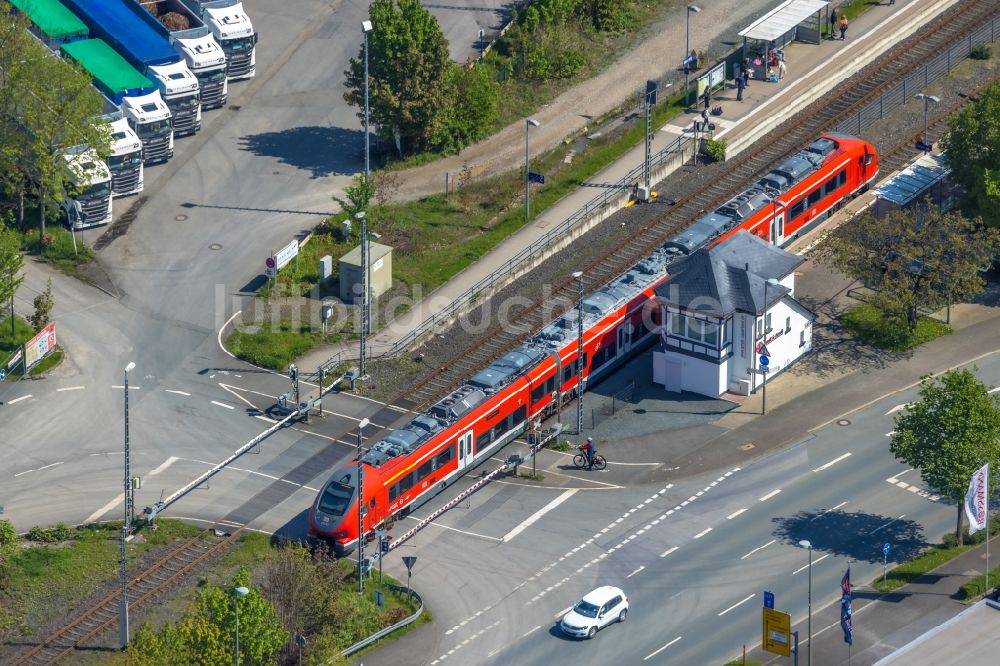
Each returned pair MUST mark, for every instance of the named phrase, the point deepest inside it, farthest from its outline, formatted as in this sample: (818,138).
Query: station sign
(777,632)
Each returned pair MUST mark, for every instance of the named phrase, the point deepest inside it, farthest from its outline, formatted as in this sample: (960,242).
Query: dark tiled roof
(729,277)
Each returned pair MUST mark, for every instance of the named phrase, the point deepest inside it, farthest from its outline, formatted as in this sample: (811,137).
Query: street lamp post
(238,593)
(360,215)
(763,400)
(366,27)
(126,530)
(805,543)
(528,124)
(579,353)
(691,9)
(927,99)
(361,505)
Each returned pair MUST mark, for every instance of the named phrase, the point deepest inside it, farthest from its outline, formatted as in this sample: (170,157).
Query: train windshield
(336,498)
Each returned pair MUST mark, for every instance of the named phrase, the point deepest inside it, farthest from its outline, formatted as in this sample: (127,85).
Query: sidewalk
(883,623)
(814,70)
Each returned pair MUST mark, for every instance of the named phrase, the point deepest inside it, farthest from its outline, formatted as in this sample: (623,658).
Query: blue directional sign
(765,360)
(769,600)
(536,177)
(885,550)
(3,374)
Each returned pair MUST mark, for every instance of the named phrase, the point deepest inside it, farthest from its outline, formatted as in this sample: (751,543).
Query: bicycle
(580,460)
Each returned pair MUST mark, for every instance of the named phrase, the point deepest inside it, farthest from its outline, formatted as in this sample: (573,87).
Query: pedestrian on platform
(892,2)
(843,28)
(745,72)
(741,83)
(833,20)
(708,97)
(782,69)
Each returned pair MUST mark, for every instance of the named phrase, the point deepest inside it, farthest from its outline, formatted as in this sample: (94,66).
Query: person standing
(745,72)
(782,70)
(740,85)
(708,96)
(843,28)
(833,20)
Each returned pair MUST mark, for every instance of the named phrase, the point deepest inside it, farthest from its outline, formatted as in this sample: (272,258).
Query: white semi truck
(86,200)
(125,160)
(232,28)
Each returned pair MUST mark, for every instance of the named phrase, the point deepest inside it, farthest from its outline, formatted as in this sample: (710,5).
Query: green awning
(52,18)
(106,66)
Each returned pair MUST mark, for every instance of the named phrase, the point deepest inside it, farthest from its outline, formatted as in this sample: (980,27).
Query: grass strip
(928,560)
(976,587)
(870,326)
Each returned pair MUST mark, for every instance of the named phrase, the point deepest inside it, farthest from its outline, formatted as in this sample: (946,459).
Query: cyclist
(590,451)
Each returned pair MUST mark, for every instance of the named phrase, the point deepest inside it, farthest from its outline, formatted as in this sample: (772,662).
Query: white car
(595,611)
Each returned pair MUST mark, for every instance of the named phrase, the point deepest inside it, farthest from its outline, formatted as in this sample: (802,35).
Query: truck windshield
(335,499)
(212,77)
(96,191)
(183,103)
(238,45)
(154,129)
(128,159)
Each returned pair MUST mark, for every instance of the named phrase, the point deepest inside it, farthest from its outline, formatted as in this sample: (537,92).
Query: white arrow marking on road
(770,494)
(832,462)
(530,520)
(703,533)
(636,571)
(70,388)
(758,548)
(668,551)
(222,404)
(16,400)
(653,654)
(178,392)
(734,514)
(736,604)
(897,408)
(818,559)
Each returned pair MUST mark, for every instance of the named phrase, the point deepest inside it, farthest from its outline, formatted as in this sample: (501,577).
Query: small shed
(926,177)
(380,273)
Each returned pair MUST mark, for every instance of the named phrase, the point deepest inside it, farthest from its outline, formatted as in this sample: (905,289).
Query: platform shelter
(791,21)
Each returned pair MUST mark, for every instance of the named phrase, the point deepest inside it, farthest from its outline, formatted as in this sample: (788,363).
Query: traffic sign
(409,561)
(763,350)
(777,630)
(885,550)
(269,262)
(536,178)
(768,599)
(3,374)
(765,360)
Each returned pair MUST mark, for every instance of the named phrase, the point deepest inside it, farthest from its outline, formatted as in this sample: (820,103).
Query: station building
(723,305)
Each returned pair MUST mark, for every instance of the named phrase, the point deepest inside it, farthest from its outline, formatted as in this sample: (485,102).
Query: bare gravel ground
(391,377)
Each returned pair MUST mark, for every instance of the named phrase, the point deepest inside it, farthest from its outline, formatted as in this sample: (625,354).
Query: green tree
(953,430)
(358,196)
(11,262)
(913,258)
(474,108)
(43,303)
(972,150)
(8,535)
(408,68)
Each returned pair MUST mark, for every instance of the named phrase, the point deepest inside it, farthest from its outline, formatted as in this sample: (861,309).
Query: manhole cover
(181,217)
(747,446)
(214,246)
(843,422)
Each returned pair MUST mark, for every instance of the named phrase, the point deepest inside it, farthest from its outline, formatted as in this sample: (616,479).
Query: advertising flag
(845,607)
(976,501)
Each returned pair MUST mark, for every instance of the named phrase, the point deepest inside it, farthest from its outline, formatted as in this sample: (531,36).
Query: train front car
(333,517)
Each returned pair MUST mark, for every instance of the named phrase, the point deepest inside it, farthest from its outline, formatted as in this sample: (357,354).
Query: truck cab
(232,28)
(207,61)
(152,121)
(87,193)
(180,90)
(125,160)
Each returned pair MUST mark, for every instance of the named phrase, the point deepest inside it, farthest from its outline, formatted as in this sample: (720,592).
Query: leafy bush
(55,534)
(8,535)
(981,51)
(716,149)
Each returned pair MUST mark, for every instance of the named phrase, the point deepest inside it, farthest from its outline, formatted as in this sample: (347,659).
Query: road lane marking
(563,612)
(104,509)
(770,494)
(703,533)
(994,390)
(70,388)
(455,529)
(530,520)
(531,631)
(817,560)
(636,571)
(758,548)
(222,404)
(897,408)
(668,551)
(653,654)
(17,400)
(164,465)
(735,513)
(179,392)
(826,511)
(832,462)
(51,465)
(222,328)
(130,388)
(887,524)
(736,604)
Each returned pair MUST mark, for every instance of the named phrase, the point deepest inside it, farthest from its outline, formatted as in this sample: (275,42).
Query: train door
(778,228)
(624,338)
(465,450)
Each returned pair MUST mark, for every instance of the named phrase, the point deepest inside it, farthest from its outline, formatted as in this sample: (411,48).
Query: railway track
(182,559)
(717,184)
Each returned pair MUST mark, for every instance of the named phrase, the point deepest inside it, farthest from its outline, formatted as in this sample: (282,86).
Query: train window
(393,492)
(445,457)
(492,416)
(550,384)
(425,470)
(842,178)
(372,503)
(798,209)
(638,331)
(814,198)
(829,187)
(538,392)
(405,483)
(520,414)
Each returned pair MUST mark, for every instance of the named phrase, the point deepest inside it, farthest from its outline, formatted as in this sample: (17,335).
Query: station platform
(813,71)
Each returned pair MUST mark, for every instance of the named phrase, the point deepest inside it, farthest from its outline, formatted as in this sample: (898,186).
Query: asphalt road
(694,558)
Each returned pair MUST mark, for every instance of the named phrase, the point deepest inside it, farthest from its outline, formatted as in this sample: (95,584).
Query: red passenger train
(415,462)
